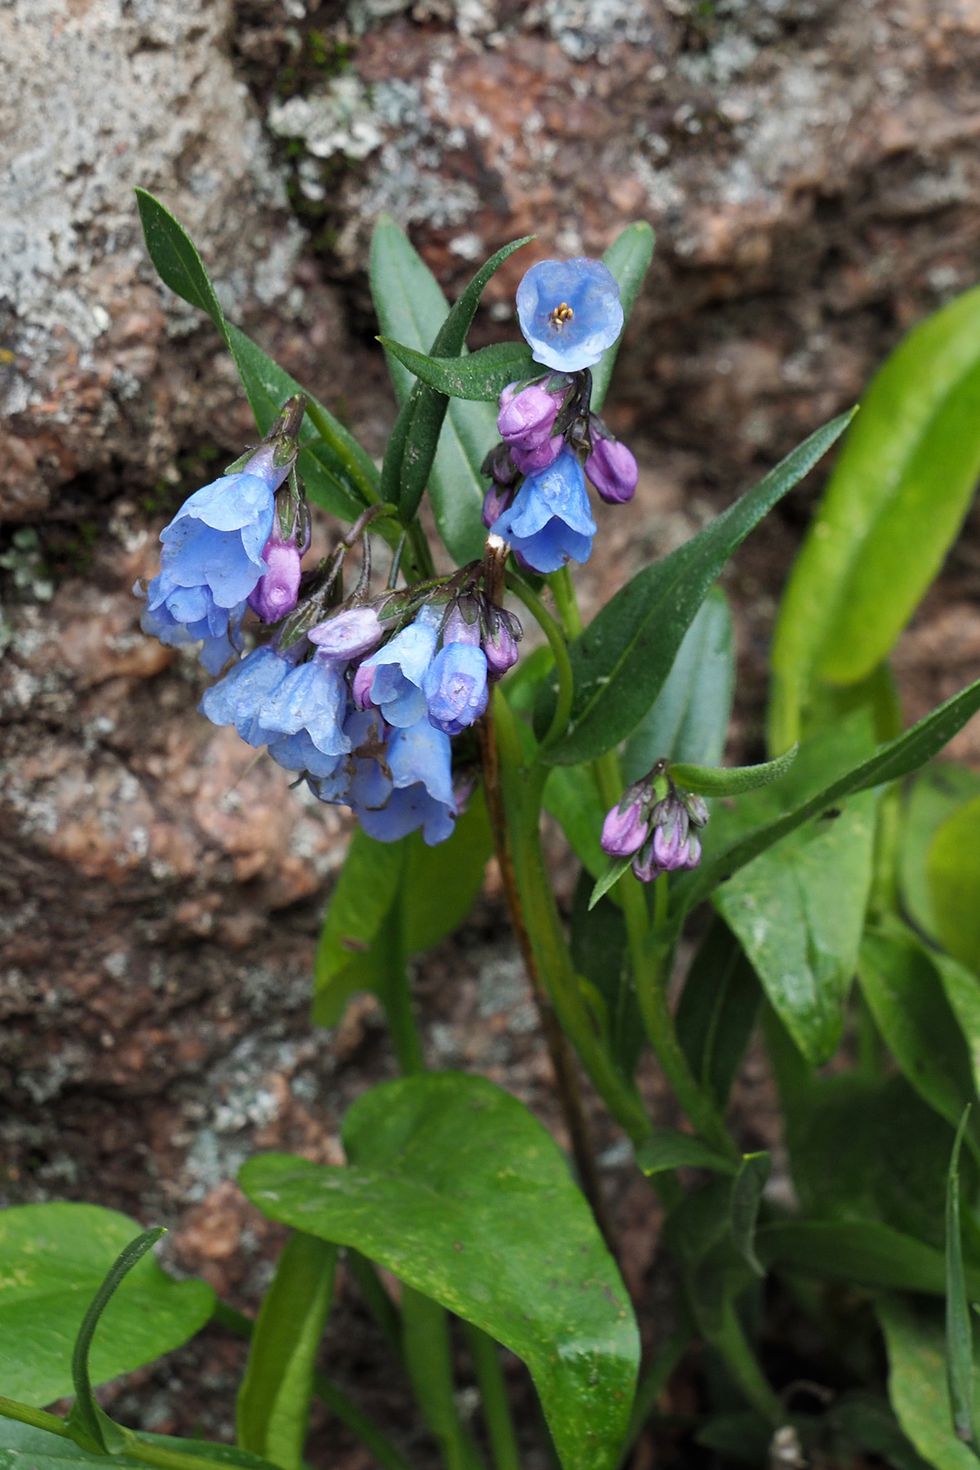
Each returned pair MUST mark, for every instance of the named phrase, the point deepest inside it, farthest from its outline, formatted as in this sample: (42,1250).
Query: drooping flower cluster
(569,312)
(657,825)
(360,698)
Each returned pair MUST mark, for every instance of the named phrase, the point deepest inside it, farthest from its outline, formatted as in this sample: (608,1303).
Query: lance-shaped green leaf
(412,309)
(622,659)
(743,1209)
(894,759)
(23,1447)
(628,257)
(688,720)
(717,1012)
(273,1407)
(917,1382)
(959,1327)
(906,996)
(893,506)
(667,1149)
(339,474)
(864,1252)
(459,1191)
(607,880)
(732,780)
(480,376)
(53,1260)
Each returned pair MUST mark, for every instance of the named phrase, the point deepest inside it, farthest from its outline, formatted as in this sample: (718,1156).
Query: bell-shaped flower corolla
(550,519)
(237,698)
(391,679)
(455,686)
(213,558)
(419,759)
(569,312)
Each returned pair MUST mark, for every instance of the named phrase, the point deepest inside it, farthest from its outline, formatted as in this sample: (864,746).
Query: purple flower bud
(361,687)
(530,461)
(624,830)
(670,837)
(495,502)
(348,634)
(613,470)
(500,642)
(645,866)
(697,809)
(528,418)
(277,590)
(462,624)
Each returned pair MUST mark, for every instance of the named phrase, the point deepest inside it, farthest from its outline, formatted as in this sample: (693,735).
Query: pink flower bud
(277,590)
(613,470)
(528,418)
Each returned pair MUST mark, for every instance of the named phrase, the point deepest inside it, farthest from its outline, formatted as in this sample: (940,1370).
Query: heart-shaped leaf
(53,1260)
(458,1190)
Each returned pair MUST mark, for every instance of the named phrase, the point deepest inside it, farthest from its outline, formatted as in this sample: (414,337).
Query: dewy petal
(236,698)
(550,519)
(348,634)
(455,687)
(228,504)
(589,289)
(399,668)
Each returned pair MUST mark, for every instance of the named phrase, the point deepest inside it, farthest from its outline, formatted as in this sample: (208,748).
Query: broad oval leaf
(893,506)
(458,1190)
(688,720)
(480,376)
(917,1382)
(934,796)
(53,1260)
(953,874)
(623,658)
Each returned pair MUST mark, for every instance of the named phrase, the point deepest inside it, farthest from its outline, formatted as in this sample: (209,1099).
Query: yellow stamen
(561,314)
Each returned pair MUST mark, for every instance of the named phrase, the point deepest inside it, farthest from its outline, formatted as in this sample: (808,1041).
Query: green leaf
(273,1408)
(340,475)
(25,1448)
(667,1149)
(798,911)
(894,504)
(614,871)
(892,760)
(732,780)
(862,1252)
(459,1191)
(441,883)
(481,376)
(959,1328)
(905,993)
(571,796)
(747,1187)
(935,795)
(717,1010)
(599,949)
(358,906)
(953,875)
(688,720)
(53,1259)
(412,309)
(86,1420)
(962,987)
(917,1382)
(628,257)
(867,1424)
(623,658)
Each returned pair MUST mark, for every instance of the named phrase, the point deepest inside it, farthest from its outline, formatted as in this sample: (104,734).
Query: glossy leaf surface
(899,492)
(459,1191)
(623,658)
(481,376)
(53,1260)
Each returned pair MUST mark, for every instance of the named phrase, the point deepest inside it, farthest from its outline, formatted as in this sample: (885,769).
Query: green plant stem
(36,1418)
(493,1396)
(559,649)
(396,997)
(428,1355)
(133,1447)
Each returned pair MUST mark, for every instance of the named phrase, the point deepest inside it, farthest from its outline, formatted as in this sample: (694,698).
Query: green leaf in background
(688,720)
(53,1260)
(862,1252)
(894,504)
(480,376)
(412,309)
(667,1149)
(571,796)
(935,794)
(339,474)
(459,1191)
(717,1011)
(26,1448)
(628,257)
(905,994)
(434,889)
(917,1382)
(615,868)
(622,660)
(746,1197)
(732,780)
(798,911)
(894,759)
(962,987)
(273,1408)
(959,1327)
(599,947)
(866,1424)
(953,875)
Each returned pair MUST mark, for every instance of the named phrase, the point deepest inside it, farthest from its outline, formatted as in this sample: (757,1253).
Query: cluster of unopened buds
(360,696)
(656,825)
